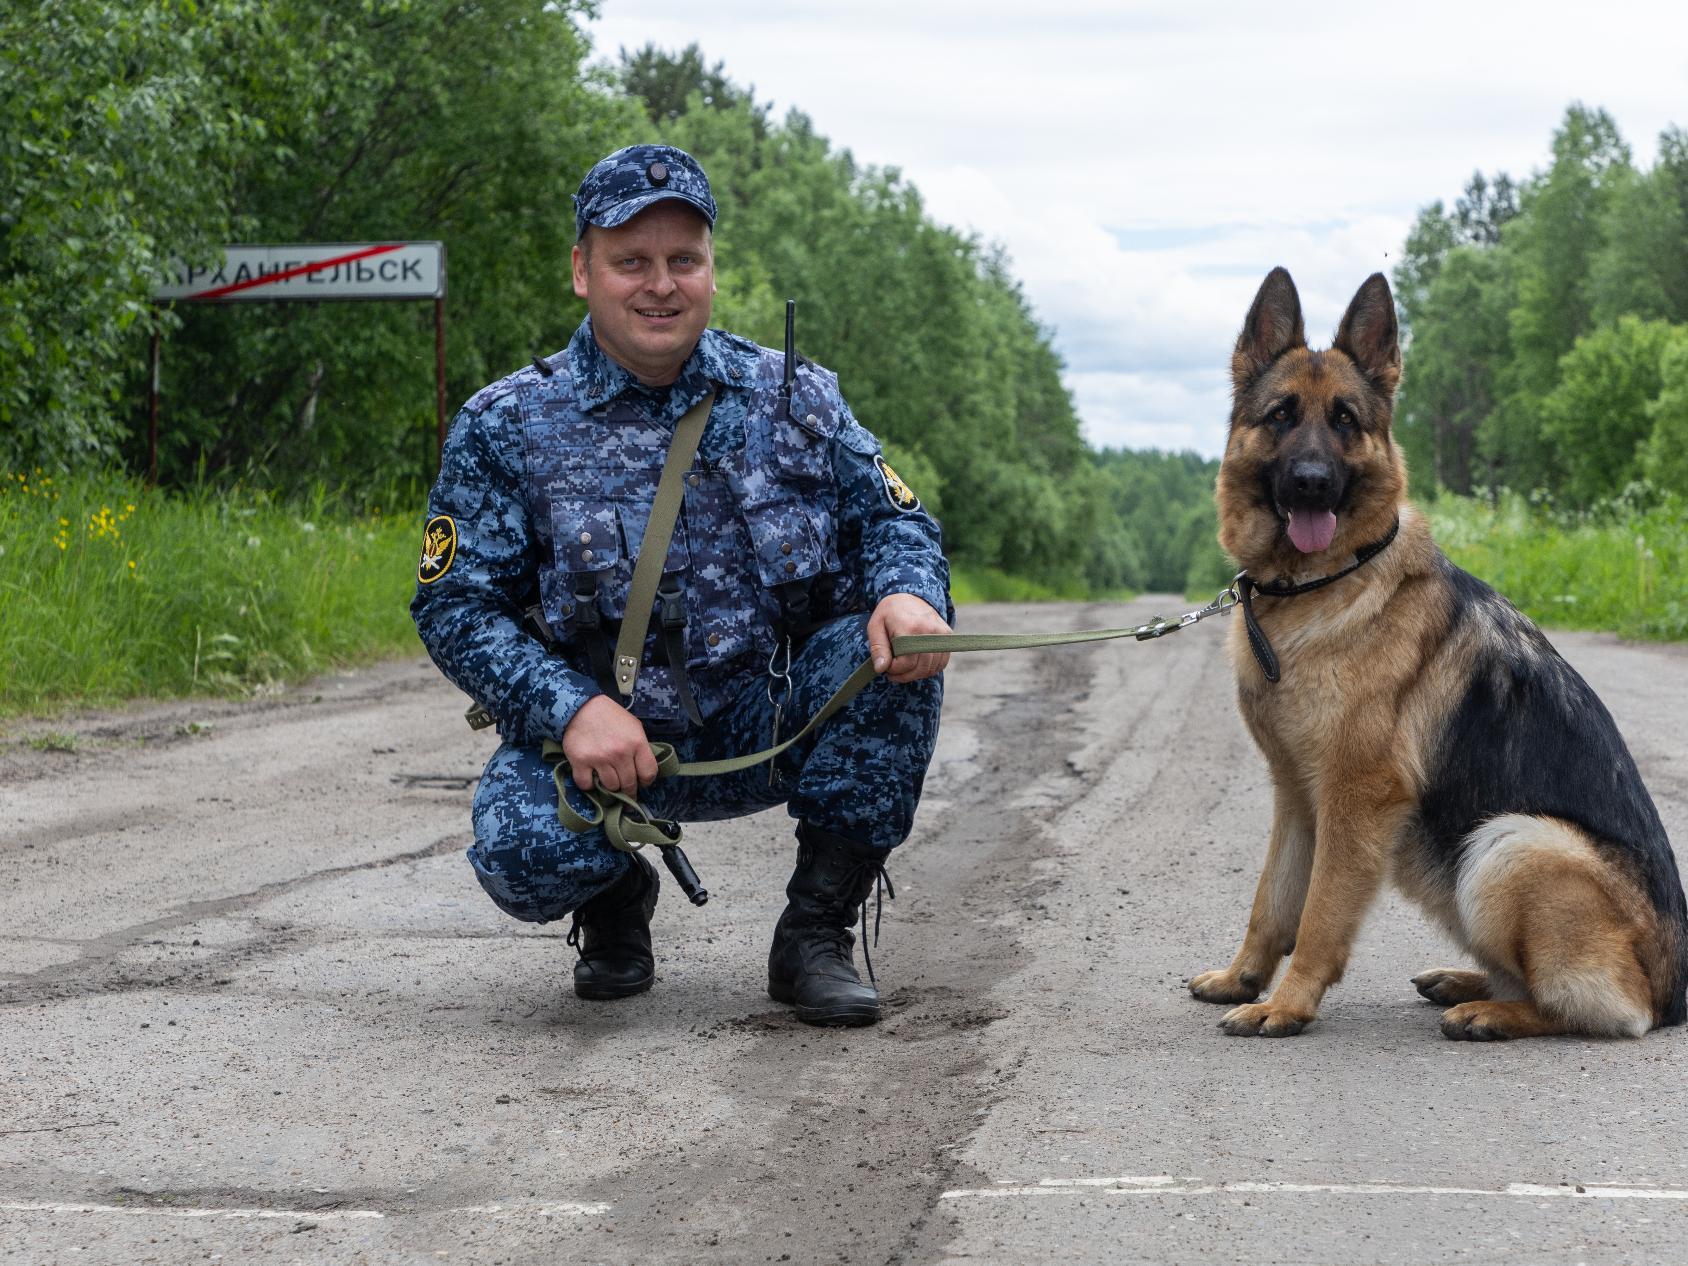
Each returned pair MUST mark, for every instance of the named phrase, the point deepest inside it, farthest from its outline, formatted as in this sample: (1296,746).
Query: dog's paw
(1476,1022)
(1263,1019)
(1447,986)
(1225,986)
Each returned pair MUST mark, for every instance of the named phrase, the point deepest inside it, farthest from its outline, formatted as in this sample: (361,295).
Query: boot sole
(849,1015)
(608,993)
(839,1017)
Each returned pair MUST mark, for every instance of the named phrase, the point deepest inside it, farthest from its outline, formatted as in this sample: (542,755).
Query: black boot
(612,931)
(812,962)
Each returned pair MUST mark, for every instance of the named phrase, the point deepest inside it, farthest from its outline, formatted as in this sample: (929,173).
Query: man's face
(649,285)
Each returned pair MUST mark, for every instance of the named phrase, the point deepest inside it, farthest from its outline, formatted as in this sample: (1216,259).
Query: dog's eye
(1280,414)
(1343,418)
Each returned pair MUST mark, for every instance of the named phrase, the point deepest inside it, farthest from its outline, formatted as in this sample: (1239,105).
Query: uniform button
(812,420)
(785,547)
(586,555)
(694,480)
(715,639)
(790,567)
(586,538)
(568,608)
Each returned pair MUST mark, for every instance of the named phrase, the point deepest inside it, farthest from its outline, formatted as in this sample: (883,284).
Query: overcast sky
(1146,164)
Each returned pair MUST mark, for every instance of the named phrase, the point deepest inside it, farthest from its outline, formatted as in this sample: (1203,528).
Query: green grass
(109,591)
(1622,567)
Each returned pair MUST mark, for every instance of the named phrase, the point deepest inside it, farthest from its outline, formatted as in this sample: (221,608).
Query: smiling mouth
(657,314)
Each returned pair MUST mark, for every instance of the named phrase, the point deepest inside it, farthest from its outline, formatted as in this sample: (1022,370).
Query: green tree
(122,128)
(669,84)
(1453,290)
(1557,237)
(1459,350)
(1665,457)
(1598,417)
(1641,268)
(479,140)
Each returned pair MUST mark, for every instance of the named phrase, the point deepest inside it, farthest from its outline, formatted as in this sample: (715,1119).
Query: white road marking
(1166,1185)
(170,1211)
(562,1209)
(559,1209)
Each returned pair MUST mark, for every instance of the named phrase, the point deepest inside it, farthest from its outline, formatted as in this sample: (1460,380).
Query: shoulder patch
(439,549)
(900,495)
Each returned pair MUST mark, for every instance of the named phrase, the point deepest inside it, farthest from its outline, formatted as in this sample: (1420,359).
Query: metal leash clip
(778,672)
(1160,626)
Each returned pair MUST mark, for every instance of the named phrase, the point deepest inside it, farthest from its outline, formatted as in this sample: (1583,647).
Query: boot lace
(882,888)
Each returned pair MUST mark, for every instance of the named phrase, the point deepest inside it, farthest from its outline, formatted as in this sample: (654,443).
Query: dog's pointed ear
(1272,327)
(1370,336)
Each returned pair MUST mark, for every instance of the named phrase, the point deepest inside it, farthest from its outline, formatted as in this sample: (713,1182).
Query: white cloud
(1145,165)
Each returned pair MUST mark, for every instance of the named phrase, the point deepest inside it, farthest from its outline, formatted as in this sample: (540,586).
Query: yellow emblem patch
(901,495)
(439,548)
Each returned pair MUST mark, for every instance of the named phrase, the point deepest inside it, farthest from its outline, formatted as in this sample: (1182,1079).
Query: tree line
(1547,325)
(133,135)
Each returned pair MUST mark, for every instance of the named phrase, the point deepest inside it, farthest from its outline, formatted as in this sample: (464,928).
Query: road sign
(314,272)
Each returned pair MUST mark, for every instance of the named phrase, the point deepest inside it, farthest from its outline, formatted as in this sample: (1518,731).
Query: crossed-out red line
(318,266)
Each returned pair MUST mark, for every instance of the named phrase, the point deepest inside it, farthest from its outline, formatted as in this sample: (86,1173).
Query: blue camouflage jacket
(544,491)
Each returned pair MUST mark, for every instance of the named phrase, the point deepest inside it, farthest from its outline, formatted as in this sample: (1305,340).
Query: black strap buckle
(586,614)
(673,600)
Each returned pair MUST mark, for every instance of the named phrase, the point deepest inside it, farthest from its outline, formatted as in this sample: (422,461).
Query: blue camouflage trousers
(858,776)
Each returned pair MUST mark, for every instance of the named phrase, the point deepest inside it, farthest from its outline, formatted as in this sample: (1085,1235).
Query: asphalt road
(253,1007)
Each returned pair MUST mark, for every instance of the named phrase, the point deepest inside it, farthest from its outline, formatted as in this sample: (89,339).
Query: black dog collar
(1247,586)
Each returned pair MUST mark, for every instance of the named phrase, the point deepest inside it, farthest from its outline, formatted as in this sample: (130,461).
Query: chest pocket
(800,446)
(596,541)
(789,542)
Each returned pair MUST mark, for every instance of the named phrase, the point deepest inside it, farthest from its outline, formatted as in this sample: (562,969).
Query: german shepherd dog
(1420,726)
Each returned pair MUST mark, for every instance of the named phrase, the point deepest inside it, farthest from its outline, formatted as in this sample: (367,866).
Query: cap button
(657,173)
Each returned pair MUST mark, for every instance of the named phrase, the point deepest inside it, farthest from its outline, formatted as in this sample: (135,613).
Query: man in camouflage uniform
(795,540)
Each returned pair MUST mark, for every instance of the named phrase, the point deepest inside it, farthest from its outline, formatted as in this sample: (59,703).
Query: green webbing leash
(629,827)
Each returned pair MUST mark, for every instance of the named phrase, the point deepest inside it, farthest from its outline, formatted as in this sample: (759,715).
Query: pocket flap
(785,543)
(588,536)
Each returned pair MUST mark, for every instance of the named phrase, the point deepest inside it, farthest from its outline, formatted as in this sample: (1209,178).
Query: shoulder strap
(659,530)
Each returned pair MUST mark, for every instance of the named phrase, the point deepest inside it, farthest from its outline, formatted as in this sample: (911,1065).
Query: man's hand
(607,740)
(898,615)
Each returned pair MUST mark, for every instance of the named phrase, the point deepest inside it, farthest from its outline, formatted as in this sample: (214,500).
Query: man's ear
(578,263)
(1369,335)
(1273,326)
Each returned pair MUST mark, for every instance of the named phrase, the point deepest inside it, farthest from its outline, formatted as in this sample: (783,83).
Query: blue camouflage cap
(629,180)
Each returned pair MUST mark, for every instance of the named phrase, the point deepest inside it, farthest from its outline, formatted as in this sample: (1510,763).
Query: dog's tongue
(1311,530)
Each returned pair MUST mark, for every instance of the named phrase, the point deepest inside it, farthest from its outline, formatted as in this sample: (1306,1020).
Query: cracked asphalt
(253,1007)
